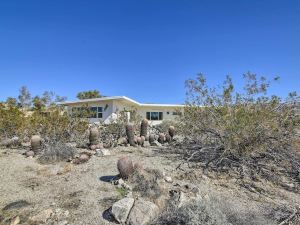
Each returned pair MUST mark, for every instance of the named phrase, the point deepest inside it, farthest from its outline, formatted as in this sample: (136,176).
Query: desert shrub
(146,183)
(56,152)
(200,212)
(240,123)
(250,131)
(11,121)
(163,127)
(56,125)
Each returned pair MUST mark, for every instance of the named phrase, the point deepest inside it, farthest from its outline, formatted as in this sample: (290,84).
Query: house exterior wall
(106,105)
(112,107)
(166,110)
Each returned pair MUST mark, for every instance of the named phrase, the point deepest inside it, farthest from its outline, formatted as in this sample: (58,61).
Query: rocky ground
(65,193)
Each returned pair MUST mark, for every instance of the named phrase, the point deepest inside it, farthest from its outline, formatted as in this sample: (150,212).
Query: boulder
(121,209)
(142,213)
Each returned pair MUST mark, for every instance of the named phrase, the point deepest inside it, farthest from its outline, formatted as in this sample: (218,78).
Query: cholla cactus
(151,138)
(36,143)
(94,136)
(125,167)
(172,131)
(144,127)
(161,138)
(130,134)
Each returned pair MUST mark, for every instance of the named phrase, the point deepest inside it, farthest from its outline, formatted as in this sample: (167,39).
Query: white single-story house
(106,109)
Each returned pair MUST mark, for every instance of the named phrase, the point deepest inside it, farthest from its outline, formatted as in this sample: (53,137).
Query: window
(100,112)
(87,112)
(154,115)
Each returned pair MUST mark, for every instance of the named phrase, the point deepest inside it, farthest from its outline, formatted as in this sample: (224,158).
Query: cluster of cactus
(36,143)
(134,140)
(130,134)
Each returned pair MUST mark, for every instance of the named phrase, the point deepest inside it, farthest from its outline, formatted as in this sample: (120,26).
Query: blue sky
(145,49)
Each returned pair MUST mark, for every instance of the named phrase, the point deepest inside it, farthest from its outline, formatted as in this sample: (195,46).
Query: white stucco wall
(112,107)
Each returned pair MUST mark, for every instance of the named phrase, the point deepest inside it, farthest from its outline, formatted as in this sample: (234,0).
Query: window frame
(159,116)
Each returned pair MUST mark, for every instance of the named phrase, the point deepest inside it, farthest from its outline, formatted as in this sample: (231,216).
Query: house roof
(120,98)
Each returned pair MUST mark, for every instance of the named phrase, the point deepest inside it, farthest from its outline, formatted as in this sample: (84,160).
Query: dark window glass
(148,116)
(100,115)
(160,116)
(100,109)
(154,116)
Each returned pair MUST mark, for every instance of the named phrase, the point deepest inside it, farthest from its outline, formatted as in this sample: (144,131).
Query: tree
(24,97)
(89,94)
(49,98)
(11,102)
(38,103)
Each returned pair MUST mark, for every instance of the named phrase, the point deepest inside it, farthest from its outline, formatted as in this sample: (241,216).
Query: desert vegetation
(246,140)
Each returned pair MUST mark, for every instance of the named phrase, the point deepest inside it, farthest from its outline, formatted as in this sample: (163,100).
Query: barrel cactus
(172,131)
(144,127)
(161,138)
(94,136)
(168,138)
(130,134)
(151,138)
(36,143)
(139,141)
(125,167)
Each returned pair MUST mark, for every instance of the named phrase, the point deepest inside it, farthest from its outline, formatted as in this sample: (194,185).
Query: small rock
(168,179)
(120,181)
(143,212)
(146,144)
(16,220)
(42,216)
(29,153)
(64,222)
(156,143)
(102,152)
(121,209)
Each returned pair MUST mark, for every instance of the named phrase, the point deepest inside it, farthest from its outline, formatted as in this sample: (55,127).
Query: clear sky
(145,49)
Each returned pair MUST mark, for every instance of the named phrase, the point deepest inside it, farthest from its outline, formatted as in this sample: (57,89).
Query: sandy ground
(82,193)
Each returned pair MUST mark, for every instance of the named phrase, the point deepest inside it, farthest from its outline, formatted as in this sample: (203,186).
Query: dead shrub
(250,132)
(195,213)
(146,182)
(56,153)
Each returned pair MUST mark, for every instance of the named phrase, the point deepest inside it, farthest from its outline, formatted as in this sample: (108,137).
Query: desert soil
(80,194)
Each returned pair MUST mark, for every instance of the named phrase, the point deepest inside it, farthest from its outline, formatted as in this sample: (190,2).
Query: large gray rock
(142,213)
(121,209)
